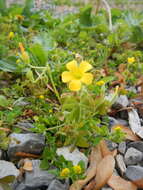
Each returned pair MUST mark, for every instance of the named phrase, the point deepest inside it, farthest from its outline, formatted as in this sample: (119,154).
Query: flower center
(77,74)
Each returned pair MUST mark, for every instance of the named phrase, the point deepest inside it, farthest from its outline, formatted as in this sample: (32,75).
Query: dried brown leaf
(105,150)
(28,165)
(104,171)
(95,158)
(118,183)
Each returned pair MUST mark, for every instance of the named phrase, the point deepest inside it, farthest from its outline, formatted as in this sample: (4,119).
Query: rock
(134,120)
(8,169)
(57,185)
(121,102)
(76,156)
(106,188)
(122,147)
(133,156)
(35,179)
(28,143)
(137,144)
(134,173)
(120,164)
(38,177)
(113,121)
(111,145)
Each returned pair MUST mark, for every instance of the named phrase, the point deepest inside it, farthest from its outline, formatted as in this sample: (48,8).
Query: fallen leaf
(95,158)
(139,183)
(105,150)
(28,165)
(118,183)
(5,129)
(91,185)
(104,171)
(129,134)
(26,155)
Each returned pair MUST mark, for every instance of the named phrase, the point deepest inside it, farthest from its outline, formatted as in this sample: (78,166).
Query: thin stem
(56,127)
(109,14)
(53,83)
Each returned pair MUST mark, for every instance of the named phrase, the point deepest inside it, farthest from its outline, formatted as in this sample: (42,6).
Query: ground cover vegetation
(64,73)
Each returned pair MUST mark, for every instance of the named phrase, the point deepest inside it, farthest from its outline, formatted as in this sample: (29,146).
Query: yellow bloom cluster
(100,83)
(131,59)
(77,169)
(20,17)
(41,97)
(65,172)
(77,74)
(11,35)
(117,128)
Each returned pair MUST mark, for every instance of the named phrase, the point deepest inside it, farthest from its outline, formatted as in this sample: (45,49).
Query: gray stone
(137,144)
(134,121)
(75,156)
(113,121)
(57,185)
(8,169)
(106,188)
(133,156)
(38,177)
(111,145)
(120,164)
(121,102)
(122,147)
(28,143)
(134,173)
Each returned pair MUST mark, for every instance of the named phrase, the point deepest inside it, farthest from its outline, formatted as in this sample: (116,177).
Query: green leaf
(45,40)
(29,4)
(39,53)
(7,67)
(2,5)
(82,142)
(3,101)
(85,16)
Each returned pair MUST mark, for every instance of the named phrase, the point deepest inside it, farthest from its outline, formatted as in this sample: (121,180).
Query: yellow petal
(87,78)
(85,66)
(75,85)
(66,76)
(72,65)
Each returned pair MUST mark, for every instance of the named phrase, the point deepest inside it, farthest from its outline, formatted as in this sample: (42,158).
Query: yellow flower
(100,83)
(117,128)
(41,97)
(11,35)
(77,75)
(77,169)
(65,172)
(20,17)
(131,59)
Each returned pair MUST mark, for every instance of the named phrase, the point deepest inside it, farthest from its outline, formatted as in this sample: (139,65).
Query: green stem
(56,127)
(53,83)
